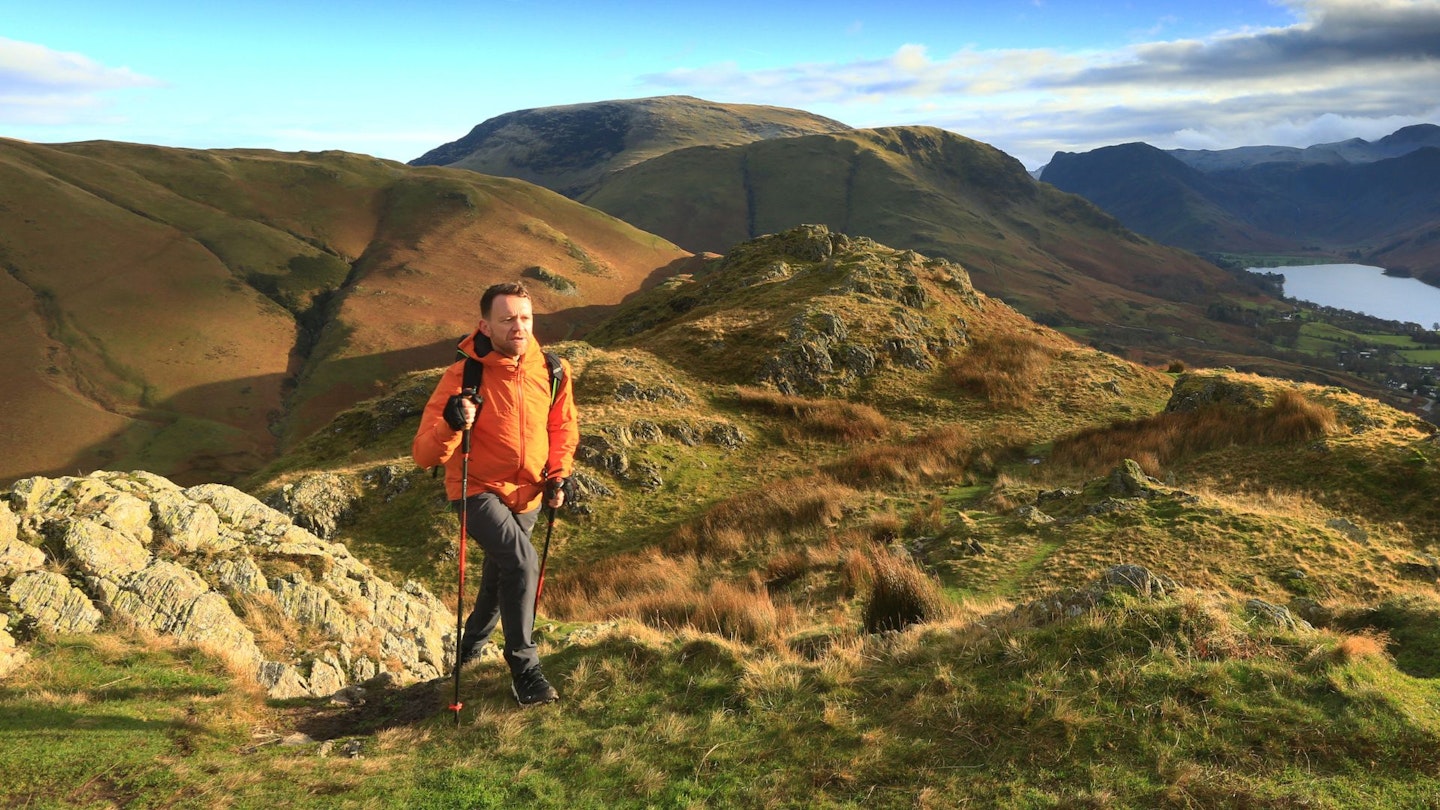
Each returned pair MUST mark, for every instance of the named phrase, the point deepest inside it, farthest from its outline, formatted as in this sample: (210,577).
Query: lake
(1361,288)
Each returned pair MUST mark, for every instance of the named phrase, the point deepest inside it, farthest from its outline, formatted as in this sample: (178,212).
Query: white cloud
(1366,64)
(39,85)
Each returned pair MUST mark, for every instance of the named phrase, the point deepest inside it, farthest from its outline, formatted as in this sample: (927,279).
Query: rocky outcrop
(213,566)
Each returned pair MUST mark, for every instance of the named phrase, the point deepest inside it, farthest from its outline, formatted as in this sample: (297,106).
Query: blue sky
(395,79)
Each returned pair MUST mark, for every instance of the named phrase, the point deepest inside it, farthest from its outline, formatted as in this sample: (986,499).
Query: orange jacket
(518,439)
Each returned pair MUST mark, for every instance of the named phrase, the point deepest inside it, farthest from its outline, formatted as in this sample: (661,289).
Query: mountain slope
(572,148)
(187,311)
(1052,255)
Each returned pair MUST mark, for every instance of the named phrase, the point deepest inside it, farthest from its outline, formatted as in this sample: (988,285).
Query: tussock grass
(666,592)
(900,593)
(832,419)
(1005,370)
(940,453)
(746,521)
(1161,440)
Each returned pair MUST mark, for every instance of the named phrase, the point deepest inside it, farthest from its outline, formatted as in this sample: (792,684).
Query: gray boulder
(318,502)
(53,603)
(183,561)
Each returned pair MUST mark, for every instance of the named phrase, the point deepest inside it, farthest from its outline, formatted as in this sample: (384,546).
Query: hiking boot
(531,689)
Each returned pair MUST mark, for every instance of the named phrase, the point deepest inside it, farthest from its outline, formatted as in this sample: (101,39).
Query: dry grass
(664,592)
(1004,370)
(940,453)
(833,419)
(1162,439)
(600,591)
(901,594)
(746,521)
(1360,647)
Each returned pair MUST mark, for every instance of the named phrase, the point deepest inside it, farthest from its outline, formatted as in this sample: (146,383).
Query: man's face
(509,324)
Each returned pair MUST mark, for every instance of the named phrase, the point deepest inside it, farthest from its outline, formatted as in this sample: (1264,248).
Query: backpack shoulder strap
(474,369)
(557,375)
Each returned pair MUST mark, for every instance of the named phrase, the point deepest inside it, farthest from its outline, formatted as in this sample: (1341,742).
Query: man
(523,439)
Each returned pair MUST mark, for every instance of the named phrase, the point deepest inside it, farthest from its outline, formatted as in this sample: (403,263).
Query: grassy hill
(573,148)
(1051,255)
(195,312)
(848,531)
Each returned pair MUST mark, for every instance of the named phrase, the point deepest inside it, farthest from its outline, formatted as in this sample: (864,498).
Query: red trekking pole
(456,705)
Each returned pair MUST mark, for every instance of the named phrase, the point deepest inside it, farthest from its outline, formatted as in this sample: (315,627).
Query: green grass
(1167,703)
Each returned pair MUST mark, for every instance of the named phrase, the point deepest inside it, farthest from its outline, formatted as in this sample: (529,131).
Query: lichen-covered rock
(16,556)
(1128,480)
(318,502)
(243,512)
(1031,516)
(102,551)
(1137,578)
(53,603)
(603,453)
(1071,603)
(191,525)
(177,560)
(1201,389)
(1276,615)
(725,435)
(644,431)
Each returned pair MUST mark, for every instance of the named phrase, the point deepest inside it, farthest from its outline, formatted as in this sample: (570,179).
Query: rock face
(214,567)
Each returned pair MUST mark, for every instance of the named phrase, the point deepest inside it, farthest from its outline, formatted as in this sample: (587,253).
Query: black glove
(553,486)
(455,410)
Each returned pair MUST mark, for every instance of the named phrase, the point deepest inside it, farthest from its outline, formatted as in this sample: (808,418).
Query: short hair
(515,288)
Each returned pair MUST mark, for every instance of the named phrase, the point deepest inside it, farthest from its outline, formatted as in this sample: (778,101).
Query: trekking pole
(540,583)
(456,705)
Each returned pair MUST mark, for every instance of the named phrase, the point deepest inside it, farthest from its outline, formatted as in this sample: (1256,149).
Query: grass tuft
(1166,438)
(1004,370)
(748,520)
(901,594)
(832,419)
(936,454)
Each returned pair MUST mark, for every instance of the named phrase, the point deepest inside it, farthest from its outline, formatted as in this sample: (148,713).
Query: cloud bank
(1344,68)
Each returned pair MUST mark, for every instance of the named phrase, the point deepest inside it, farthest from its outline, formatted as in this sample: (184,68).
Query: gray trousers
(508,580)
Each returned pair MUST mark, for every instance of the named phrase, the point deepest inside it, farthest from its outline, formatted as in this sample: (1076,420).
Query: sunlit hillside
(194,312)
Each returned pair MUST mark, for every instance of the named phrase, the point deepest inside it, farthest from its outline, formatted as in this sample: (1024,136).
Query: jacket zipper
(520,405)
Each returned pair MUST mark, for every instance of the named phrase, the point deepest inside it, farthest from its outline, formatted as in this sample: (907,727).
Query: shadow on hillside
(574,323)
(245,428)
(377,709)
(168,438)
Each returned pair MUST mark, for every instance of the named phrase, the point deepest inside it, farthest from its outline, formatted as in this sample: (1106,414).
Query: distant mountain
(193,312)
(1374,203)
(572,148)
(1355,150)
